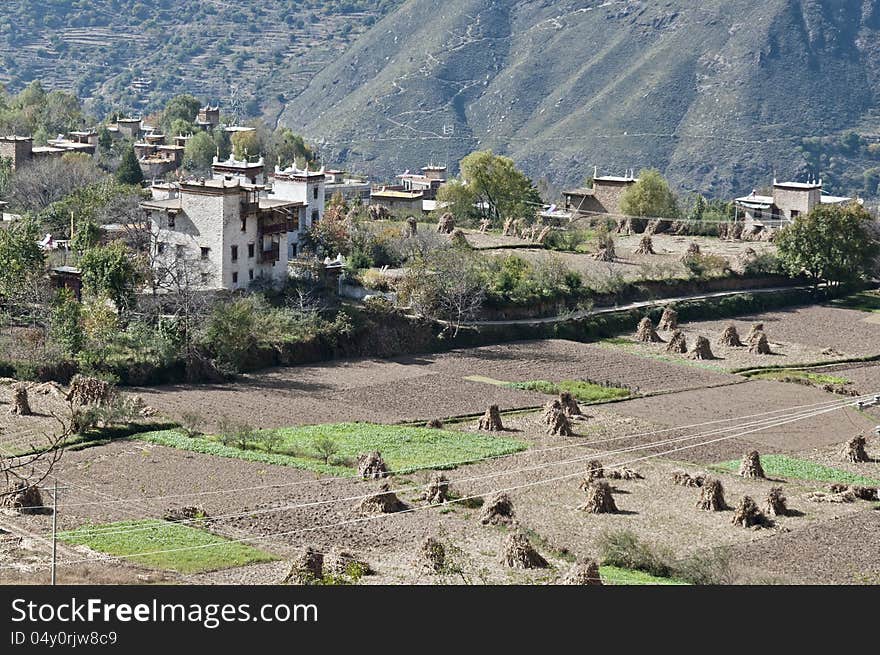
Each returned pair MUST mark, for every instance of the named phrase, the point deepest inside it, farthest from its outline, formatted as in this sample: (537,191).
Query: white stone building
(789,200)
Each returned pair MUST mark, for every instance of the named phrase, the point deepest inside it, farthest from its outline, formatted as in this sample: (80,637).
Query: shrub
(192,423)
(325,447)
(624,549)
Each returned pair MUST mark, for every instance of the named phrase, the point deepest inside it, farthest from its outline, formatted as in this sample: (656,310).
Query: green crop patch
(163,545)
(798,376)
(801,469)
(585,392)
(614,575)
(333,448)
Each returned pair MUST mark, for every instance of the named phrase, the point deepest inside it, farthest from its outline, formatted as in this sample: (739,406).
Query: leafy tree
(650,196)
(20,257)
(199,152)
(499,188)
(65,323)
(286,148)
(129,171)
(87,236)
(246,144)
(325,447)
(182,107)
(831,244)
(457,198)
(113,271)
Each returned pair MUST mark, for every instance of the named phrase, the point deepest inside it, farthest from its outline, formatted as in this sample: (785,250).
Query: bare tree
(39,184)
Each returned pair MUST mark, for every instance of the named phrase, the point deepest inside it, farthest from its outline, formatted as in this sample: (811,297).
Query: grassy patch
(404,448)
(866,301)
(586,392)
(801,469)
(203,551)
(798,376)
(614,575)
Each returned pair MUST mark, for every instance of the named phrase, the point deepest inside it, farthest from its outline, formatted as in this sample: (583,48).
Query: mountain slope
(719,94)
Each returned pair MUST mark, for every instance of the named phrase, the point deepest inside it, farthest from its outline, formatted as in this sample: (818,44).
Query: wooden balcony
(272,255)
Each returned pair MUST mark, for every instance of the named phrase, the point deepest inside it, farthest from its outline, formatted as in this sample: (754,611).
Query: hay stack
(508,229)
(584,572)
(550,409)
(750,467)
(646,332)
(822,497)
(594,471)
(89,391)
(306,567)
(484,225)
(701,349)
(432,554)
(759,345)
(371,466)
(747,513)
(776,503)
(854,451)
(857,491)
(20,405)
(498,510)
(412,226)
(624,473)
(434,424)
(22,497)
(446,224)
(712,496)
(569,404)
(599,499)
(459,240)
(606,253)
(437,490)
(677,343)
(384,501)
(517,552)
(668,320)
(753,331)
(646,246)
(693,250)
(542,235)
(558,424)
(684,479)
(730,337)
(491,420)
(341,562)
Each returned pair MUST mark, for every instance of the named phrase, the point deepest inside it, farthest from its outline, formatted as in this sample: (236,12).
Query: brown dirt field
(665,264)
(797,337)
(838,551)
(752,397)
(418,387)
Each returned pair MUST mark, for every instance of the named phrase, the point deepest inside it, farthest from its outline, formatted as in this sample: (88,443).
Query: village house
(20,150)
(208,118)
(416,193)
(603,198)
(237,231)
(348,187)
(788,201)
(430,180)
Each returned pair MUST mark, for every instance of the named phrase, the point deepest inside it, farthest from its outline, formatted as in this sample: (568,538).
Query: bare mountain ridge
(718,94)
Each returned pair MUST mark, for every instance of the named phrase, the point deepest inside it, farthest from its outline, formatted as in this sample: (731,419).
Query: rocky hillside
(718,94)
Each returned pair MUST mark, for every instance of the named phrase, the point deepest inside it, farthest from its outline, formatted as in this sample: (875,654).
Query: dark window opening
(250,250)
(206,252)
(234,253)
(235,277)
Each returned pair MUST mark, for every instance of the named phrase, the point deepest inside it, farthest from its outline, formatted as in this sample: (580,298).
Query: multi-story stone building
(788,201)
(603,198)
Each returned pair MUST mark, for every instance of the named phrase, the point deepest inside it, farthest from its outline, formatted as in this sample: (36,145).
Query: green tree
(65,323)
(498,187)
(129,171)
(113,271)
(198,155)
(831,244)
(20,257)
(246,144)
(182,107)
(650,196)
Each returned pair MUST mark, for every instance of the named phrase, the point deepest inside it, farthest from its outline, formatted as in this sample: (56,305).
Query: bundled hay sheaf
(624,473)
(491,420)
(701,349)
(22,497)
(498,510)
(517,552)
(712,496)
(340,562)
(446,224)
(747,513)
(646,332)
(187,513)
(558,424)
(730,337)
(434,424)
(646,246)
(677,343)
(432,554)
(693,250)
(584,572)
(306,567)
(599,499)
(684,479)
(595,471)
(20,404)
(750,467)
(854,451)
(383,501)
(668,320)
(437,490)
(776,503)
(86,390)
(371,466)
(569,404)
(758,345)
